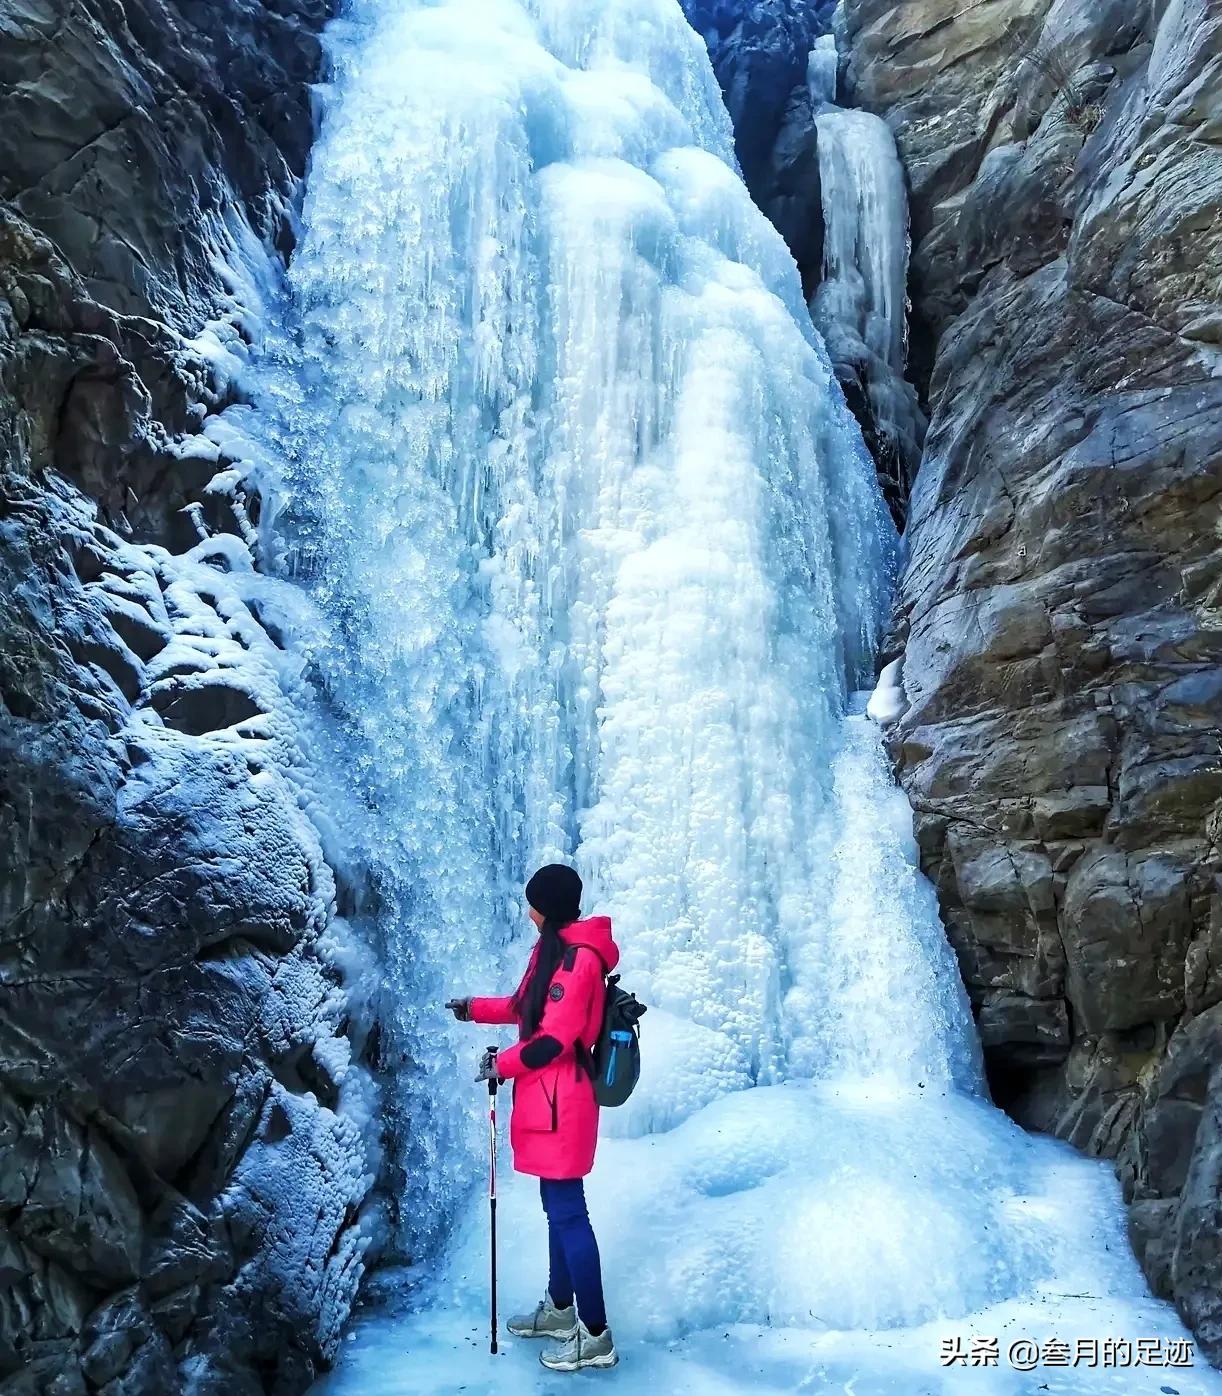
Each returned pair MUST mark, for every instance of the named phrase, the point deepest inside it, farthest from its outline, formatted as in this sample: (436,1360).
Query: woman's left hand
(487,1066)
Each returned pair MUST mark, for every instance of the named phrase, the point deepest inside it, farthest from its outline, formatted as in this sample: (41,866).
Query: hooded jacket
(553,1126)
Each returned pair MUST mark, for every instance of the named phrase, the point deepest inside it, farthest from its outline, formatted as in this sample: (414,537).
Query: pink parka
(553,1127)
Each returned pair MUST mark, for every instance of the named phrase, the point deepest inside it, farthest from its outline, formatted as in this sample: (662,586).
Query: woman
(553,1129)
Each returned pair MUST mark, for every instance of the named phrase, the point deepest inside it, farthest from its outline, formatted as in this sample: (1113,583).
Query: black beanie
(555,892)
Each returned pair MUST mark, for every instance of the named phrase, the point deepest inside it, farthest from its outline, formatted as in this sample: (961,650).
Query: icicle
(860,305)
(821,71)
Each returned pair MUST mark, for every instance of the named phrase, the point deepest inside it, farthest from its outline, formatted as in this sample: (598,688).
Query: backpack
(615,1062)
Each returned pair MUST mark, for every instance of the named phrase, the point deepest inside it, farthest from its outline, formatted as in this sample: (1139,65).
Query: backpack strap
(582,1054)
(570,955)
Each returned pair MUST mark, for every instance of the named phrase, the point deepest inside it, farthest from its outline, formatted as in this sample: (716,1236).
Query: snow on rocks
(888,703)
(219,759)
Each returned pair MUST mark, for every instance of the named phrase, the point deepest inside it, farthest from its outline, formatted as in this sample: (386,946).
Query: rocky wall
(185,1128)
(1059,614)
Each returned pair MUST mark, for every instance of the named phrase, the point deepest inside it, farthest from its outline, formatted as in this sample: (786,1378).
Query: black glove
(461,1009)
(487,1066)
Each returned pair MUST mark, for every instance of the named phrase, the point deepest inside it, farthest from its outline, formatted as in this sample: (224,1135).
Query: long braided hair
(555,892)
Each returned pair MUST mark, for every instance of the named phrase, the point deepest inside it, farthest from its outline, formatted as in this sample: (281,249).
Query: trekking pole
(492,1085)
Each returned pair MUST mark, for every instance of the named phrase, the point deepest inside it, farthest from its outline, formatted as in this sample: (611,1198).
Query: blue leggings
(573,1251)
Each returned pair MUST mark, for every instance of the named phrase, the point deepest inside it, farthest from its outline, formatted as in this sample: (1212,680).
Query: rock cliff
(1059,613)
(183,1147)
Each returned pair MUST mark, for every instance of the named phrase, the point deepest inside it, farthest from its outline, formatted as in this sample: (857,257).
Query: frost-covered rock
(184,1126)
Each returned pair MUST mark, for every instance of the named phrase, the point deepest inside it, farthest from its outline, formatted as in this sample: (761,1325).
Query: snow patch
(888,703)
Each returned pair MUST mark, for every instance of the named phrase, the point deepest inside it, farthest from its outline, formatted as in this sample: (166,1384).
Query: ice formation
(860,305)
(597,561)
(823,71)
(544,348)
(888,702)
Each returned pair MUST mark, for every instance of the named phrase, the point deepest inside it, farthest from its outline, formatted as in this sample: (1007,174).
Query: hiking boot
(582,1351)
(547,1321)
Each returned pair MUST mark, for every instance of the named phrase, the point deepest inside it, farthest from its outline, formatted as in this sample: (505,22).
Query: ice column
(861,303)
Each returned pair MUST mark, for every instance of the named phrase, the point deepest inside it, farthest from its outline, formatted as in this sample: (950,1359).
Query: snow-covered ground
(804,1239)
(442,1352)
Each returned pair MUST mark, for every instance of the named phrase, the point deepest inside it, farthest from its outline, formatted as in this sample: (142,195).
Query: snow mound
(888,703)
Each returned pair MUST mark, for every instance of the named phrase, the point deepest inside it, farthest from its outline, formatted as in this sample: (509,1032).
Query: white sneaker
(581,1351)
(547,1321)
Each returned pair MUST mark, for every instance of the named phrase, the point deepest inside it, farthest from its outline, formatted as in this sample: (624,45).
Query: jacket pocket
(534,1102)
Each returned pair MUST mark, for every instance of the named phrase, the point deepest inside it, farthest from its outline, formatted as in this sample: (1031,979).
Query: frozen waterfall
(597,563)
(860,305)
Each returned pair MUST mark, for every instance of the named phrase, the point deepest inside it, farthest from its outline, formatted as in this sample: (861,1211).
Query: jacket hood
(595,934)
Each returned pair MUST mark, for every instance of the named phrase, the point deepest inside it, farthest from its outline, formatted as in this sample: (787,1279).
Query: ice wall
(875,993)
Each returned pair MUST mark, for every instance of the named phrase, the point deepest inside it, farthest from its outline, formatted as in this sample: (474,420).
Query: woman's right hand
(461,1009)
